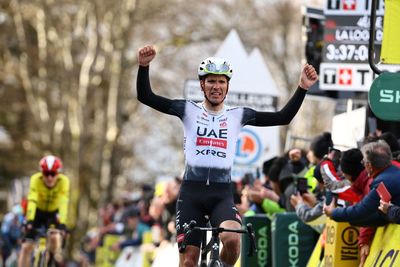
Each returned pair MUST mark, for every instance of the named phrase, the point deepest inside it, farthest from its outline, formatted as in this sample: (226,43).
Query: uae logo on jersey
(248,147)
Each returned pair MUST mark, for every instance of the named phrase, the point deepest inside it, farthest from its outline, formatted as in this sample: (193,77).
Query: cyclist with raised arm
(48,199)
(211,129)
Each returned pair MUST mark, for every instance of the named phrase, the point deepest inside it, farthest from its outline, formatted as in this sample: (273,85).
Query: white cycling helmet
(214,65)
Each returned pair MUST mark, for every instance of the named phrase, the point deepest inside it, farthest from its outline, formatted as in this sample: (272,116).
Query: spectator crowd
(318,182)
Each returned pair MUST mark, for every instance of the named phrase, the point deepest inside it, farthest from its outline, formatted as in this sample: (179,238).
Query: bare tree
(67,82)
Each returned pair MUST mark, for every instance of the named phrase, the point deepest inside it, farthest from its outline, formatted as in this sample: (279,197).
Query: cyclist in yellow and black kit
(48,199)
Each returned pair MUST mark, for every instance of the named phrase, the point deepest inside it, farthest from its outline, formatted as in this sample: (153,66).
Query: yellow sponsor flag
(390,52)
(385,247)
(315,258)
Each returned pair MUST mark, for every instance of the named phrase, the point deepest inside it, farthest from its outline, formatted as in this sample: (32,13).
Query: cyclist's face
(50,179)
(215,88)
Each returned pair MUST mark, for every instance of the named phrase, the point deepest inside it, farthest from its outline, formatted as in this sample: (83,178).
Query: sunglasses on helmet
(217,69)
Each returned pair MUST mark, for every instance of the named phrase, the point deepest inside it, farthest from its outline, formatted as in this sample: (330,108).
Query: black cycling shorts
(42,220)
(197,200)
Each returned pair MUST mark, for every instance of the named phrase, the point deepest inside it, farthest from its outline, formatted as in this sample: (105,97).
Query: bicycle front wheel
(42,259)
(215,263)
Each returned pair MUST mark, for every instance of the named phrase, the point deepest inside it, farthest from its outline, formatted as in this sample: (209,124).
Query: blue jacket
(365,212)
(393,214)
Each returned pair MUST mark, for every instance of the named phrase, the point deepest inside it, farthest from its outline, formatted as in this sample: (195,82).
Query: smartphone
(383,192)
(329,196)
(302,185)
(336,155)
(249,178)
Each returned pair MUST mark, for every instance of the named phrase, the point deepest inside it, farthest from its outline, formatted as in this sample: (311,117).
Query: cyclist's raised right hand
(146,54)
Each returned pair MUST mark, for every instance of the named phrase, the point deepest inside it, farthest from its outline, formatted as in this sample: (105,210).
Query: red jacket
(361,186)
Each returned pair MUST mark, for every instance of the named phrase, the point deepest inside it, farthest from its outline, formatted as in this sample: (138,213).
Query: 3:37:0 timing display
(346,52)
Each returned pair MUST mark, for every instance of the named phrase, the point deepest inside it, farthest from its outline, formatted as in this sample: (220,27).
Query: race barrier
(143,255)
(341,244)
(147,249)
(284,241)
(337,246)
(317,258)
(292,240)
(385,247)
(105,257)
(262,229)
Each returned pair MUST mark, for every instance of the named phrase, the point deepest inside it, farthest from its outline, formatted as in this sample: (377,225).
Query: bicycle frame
(213,245)
(40,251)
(42,255)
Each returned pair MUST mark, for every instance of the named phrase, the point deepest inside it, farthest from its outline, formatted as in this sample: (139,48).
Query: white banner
(349,77)
(352,7)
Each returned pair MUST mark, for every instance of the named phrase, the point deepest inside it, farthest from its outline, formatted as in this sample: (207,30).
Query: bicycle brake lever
(192,224)
(187,231)
(252,237)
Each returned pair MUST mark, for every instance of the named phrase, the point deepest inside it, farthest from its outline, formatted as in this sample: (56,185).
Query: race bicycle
(42,257)
(213,245)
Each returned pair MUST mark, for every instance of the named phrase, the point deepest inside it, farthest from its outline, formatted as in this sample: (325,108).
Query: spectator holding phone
(284,173)
(263,199)
(327,169)
(309,206)
(392,212)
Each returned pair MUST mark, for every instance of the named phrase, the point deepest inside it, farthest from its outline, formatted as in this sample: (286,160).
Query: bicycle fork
(212,246)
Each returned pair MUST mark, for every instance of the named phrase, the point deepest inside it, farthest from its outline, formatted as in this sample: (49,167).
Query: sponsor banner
(390,46)
(384,96)
(292,240)
(349,77)
(254,145)
(248,147)
(346,77)
(203,141)
(385,247)
(341,247)
(262,230)
(352,7)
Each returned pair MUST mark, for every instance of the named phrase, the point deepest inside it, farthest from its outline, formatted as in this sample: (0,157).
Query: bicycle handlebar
(249,231)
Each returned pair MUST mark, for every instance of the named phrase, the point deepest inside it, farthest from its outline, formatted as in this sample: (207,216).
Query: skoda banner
(292,240)
(262,229)
(384,96)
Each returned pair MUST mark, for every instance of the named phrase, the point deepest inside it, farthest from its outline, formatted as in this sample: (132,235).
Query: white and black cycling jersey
(210,139)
